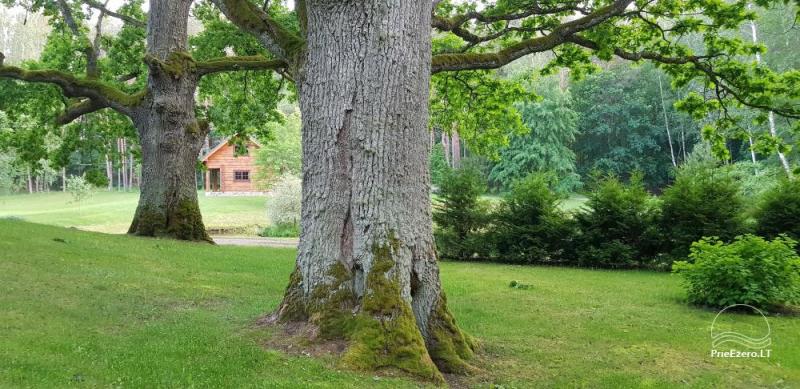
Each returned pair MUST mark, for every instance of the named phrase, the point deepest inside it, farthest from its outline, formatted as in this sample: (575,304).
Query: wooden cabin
(229,172)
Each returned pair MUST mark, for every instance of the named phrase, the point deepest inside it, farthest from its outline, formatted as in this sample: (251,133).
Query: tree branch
(455,22)
(276,38)
(68,19)
(125,18)
(228,64)
(559,35)
(99,92)
(93,53)
(79,109)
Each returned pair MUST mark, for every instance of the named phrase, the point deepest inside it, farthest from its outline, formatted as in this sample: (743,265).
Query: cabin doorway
(214,180)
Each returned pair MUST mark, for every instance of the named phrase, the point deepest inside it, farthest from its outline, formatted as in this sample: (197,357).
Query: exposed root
(449,347)
(376,332)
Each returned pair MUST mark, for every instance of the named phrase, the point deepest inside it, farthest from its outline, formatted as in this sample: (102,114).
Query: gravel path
(255,241)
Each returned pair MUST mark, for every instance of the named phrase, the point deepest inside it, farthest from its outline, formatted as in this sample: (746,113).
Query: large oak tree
(366,268)
(163,112)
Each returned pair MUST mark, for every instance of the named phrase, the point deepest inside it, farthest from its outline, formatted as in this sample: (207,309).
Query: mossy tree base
(183,222)
(378,330)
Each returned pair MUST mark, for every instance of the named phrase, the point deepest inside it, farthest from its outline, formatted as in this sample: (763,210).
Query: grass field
(112,212)
(92,310)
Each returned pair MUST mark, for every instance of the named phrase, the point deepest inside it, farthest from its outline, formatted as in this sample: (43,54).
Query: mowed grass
(112,212)
(91,310)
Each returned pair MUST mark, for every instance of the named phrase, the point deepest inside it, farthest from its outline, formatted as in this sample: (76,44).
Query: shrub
(281,231)
(618,229)
(460,215)
(79,188)
(528,227)
(283,207)
(750,270)
(778,212)
(703,202)
(438,165)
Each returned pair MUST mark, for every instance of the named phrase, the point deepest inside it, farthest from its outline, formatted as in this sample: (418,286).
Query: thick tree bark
(169,133)
(366,267)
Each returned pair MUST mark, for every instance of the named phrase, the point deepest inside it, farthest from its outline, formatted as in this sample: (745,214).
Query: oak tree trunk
(169,133)
(366,267)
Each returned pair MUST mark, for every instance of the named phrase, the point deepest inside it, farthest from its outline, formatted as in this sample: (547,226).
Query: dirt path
(255,241)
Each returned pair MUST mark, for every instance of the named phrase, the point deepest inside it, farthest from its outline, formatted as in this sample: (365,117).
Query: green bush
(289,230)
(528,227)
(284,206)
(618,229)
(79,188)
(750,270)
(703,202)
(438,165)
(460,215)
(778,212)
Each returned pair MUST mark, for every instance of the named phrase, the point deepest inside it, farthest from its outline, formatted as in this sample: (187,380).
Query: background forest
(617,118)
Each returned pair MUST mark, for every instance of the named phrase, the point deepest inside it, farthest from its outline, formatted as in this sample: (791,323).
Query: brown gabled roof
(223,144)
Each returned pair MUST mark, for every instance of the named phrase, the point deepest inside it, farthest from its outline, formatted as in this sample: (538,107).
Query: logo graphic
(755,337)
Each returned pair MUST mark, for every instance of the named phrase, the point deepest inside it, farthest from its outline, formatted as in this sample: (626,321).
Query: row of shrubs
(621,226)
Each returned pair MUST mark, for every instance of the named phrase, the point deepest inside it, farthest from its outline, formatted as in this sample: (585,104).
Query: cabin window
(241,175)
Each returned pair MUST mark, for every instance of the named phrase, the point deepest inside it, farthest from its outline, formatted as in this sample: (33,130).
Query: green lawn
(92,310)
(574,202)
(112,212)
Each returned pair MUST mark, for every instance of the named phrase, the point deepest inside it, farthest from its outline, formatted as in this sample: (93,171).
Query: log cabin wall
(225,159)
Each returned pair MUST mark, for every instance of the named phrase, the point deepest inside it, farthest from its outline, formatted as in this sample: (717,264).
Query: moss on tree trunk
(182,221)
(367,272)
(380,327)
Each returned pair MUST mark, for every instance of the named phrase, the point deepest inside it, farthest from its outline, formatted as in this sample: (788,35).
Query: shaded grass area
(87,309)
(112,212)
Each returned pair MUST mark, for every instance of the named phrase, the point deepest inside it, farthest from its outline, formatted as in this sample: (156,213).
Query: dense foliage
(529,227)
(478,105)
(623,127)
(703,202)
(552,125)
(237,104)
(460,214)
(280,153)
(778,212)
(617,229)
(439,167)
(749,270)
